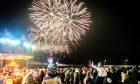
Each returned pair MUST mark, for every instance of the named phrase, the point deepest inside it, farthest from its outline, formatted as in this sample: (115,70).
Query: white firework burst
(58,22)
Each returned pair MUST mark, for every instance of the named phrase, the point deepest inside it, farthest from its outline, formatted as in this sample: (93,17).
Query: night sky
(113,35)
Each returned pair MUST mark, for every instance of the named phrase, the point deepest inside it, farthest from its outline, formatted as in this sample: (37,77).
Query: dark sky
(113,35)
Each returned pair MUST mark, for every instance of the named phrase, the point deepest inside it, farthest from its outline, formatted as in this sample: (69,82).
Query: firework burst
(59,23)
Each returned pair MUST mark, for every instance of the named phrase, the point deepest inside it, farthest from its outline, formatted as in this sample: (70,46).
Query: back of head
(52,70)
(100,64)
(28,79)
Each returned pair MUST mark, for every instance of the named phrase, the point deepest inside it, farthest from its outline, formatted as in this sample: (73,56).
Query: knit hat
(52,70)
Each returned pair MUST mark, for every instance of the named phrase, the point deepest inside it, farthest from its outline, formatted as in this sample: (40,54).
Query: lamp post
(126,60)
(104,62)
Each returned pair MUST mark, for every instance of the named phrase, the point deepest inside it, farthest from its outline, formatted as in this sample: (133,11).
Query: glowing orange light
(15,56)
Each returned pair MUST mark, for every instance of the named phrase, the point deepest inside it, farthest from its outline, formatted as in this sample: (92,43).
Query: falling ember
(58,23)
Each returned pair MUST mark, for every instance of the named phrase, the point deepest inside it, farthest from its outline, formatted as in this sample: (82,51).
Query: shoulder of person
(57,77)
(45,78)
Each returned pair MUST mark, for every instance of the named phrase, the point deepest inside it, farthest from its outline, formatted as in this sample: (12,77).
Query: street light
(126,60)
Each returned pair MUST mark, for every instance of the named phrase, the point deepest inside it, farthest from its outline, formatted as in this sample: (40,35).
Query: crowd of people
(53,74)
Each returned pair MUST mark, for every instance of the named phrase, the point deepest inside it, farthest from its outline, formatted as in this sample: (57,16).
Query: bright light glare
(50,60)
(14,42)
(27,45)
(57,63)
(7,40)
(33,47)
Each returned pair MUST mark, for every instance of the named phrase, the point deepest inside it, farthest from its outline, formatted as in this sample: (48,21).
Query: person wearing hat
(51,75)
